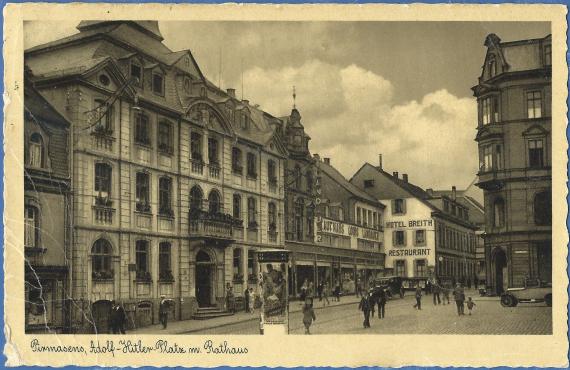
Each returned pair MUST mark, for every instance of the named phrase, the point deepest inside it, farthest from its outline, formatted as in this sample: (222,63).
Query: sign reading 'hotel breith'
(410,223)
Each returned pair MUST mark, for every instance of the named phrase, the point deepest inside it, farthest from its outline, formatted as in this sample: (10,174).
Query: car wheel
(508,300)
(548,300)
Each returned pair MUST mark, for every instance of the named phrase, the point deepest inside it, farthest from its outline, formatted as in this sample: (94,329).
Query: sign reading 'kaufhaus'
(339,228)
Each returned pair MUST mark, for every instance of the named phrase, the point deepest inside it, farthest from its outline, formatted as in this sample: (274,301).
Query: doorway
(501,271)
(101,313)
(204,279)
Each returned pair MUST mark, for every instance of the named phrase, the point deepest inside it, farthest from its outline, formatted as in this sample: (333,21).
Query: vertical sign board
(273,272)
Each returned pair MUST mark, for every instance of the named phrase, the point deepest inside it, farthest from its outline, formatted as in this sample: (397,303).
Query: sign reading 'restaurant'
(409,252)
(410,223)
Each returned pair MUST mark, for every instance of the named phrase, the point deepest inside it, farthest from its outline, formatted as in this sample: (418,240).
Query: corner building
(175,181)
(515,152)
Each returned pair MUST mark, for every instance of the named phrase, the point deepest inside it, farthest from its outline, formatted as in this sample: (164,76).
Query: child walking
(470,305)
(308,315)
(418,304)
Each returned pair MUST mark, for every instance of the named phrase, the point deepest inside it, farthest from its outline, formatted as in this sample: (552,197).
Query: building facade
(176,182)
(426,234)
(514,139)
(47,214)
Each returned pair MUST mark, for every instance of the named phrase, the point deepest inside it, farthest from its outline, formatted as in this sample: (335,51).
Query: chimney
(453,192)
(430,192)
(380,161)
(395,174)
(405,177)
(231,92)
(245,101)
(327,161)
(317,157)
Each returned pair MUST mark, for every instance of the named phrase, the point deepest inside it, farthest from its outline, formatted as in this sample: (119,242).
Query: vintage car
(532,292)
(390,284)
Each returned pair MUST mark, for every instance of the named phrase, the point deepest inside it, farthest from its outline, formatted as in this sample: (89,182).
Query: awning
(304,263)
(323,264)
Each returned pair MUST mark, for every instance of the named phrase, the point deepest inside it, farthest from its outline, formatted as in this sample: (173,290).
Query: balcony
(214,170)
(103,211)
(210,225)
(197,166)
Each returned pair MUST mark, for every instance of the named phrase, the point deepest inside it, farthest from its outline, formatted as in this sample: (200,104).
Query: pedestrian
(401,291)
(382,303)
(326,294)
(364,306)
(304,288)
(308,315)
(372,303)
(246,300)
(418,304)
(311,291)
(445,292)
(428,287)
(320,291)
(230,298)
(436,289)
(337,292)
(121,319)
(163,311)
(459,296)
(252,296)
(113,319)
(476,282)
(470,305)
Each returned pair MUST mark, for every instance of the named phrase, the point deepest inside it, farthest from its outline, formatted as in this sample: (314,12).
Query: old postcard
(285,185)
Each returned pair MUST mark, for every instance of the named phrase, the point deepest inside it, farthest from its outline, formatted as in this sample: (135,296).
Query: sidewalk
(193,326)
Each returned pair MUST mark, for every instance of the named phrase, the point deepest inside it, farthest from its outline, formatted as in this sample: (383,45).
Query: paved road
(401,318)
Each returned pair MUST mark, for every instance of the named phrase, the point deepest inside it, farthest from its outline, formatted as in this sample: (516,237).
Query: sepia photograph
(289,177)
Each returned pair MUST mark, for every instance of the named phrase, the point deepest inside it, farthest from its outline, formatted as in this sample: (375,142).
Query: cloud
(351,117)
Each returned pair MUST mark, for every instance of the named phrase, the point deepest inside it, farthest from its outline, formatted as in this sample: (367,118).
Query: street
(488,317)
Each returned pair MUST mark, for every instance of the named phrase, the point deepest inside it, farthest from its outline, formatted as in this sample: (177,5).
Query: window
(250,264)
(487,164)
(237,166)
(399,238)
(165,196)
(136,73)
(420,237)
(543,208)
(534,104)
(297,175)
(486,111)
(237,207)
(31,227)
(453,209)
(196,146)
(238,275)
(251,212)
(368,183)
(214,203)
(400,268)
(164,265)
(36,154)
(535,153)
(547,55)
(369,219)
(499,213)
(101,256)
(489,110)
(358,216)
(213,157)
(309,178)
(104,114)
(251,167)
(142,130)
(340,213)
(142,192)
(460,212)
(309,220)
(421,268)
(271,171)
(398,206)
(165,137)
(142,258)
(195,199)
(158,83)
(103,174)
(499,157)
(272,216)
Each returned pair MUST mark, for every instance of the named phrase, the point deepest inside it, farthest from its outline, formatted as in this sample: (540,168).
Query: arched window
(499,212)
(214,203)
(101,254)
(36,155)
(237,207)
(196,198)
(543,208)
(31,227)
(272,216)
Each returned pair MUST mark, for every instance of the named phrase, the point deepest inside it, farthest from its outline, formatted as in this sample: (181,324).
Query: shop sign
(339,228)
(410,223)
(409,252)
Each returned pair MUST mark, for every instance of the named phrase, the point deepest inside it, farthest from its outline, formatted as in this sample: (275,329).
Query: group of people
(369,301)
(249,295)
(436,289)
(118,321)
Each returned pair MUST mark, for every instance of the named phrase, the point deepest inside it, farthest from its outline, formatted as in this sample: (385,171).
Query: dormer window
(136,73)
(244,121)
(492,67)
(36,154)
(158,83)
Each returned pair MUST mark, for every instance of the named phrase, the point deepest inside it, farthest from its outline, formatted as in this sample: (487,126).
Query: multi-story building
(175,181)
(425,234)
(47,214)
(514,137)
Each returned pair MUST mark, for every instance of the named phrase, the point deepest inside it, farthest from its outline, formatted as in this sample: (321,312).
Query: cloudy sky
(402,89)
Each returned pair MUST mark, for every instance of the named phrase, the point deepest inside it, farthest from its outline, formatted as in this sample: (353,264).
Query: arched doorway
(204,279)
(501,270)
(101,314)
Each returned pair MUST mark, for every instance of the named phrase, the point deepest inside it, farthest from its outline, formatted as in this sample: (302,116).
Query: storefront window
(400,268)
(421,268)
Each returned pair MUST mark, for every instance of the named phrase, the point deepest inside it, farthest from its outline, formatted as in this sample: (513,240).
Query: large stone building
(47,214)
(515,151)
(175,181)
(426,234)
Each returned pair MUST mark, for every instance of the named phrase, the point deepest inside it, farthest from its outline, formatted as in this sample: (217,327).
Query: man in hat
(163,311)
(459,295)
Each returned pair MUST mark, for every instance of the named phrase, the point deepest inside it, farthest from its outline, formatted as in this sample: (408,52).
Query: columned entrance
(500,270)
(205,269)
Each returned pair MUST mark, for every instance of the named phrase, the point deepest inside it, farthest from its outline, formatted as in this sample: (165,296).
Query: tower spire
(294,97)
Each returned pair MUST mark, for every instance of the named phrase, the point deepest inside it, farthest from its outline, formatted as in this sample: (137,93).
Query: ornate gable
(206,114)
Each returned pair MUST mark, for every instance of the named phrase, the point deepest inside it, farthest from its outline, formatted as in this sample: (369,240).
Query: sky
(400,89)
